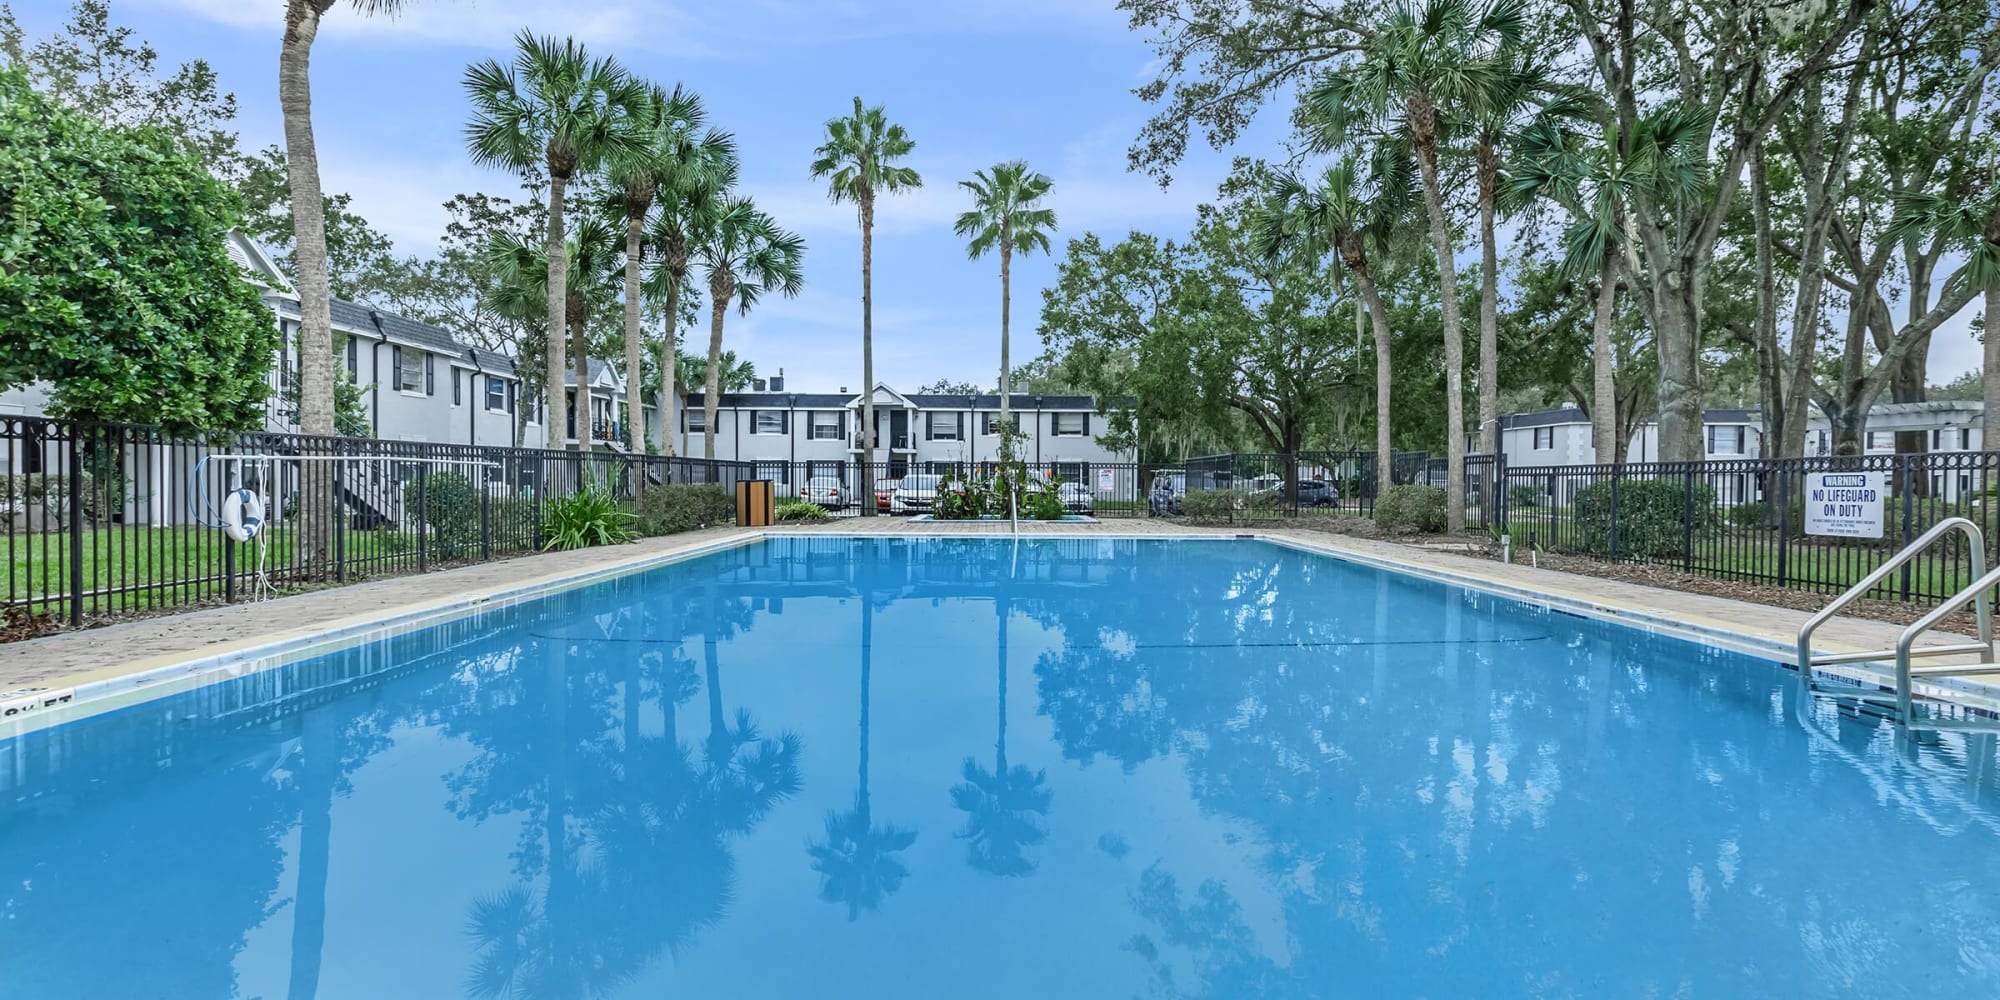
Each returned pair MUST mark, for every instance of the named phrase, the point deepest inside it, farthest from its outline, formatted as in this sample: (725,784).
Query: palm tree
(1004,807)
(1426,58)
(560,111)
(857,156)
(1972,226)
(1352,215)
(592,265)
(1006,213)
(857,862)
(689,196)
(745,255)
(316,392)
(1510,95)
(669,119)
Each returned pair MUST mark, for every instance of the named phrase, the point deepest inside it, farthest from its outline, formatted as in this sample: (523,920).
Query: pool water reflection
(1061,768)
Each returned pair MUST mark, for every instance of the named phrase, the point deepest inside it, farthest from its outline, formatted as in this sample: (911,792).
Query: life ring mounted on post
(242,515)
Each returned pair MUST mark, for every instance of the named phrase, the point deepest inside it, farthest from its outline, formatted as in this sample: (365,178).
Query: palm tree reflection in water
(1003,807)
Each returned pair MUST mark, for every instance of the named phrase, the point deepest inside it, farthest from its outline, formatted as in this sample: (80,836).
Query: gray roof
(929,401)
(775,400)
(597,369)
(491,361)
(408,331)
(1730,417)
(1545,418)
(350,316)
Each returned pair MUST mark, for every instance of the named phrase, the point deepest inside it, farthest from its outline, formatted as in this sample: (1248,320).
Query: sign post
(1844,504)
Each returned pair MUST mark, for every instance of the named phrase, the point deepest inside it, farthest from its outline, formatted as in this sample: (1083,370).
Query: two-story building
(795,436)
(1563,436)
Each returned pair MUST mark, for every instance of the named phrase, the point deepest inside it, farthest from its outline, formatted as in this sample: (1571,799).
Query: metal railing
(99,521)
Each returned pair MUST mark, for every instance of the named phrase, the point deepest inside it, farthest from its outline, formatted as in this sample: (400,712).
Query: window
(353,359)
(409,369)
(1965,439)
(942,426)
(1545,438)
(768,422)
(989,424)
(496,394)
(456,398)
(826,425)
(1725,440)
(831,470)
(1069,424)
(694,419)
(1875,440)
(1071,472)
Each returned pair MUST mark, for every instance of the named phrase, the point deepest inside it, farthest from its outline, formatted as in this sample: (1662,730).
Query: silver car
(1075,498)
(827,491)
(915,494)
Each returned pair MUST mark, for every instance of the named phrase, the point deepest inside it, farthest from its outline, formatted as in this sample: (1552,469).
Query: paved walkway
(74,658)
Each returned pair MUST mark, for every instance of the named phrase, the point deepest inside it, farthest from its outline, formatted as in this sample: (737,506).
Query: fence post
(1687,524)
(75,514)
(1784,523)
(337,504)
(1614,515)
(423,518)
(1500,494)
(1905,495)
(485,515)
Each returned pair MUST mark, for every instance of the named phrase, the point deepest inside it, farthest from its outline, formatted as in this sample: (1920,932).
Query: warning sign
(1844,504)
(1106,480)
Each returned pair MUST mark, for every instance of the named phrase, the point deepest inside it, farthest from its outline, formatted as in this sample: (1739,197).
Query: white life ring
(242,515)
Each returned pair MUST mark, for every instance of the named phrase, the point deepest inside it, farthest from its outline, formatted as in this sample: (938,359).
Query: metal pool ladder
(1975,593)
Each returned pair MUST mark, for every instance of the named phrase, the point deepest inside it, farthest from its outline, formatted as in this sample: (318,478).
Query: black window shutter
(510,397)
(928,436)
(958,422)
(456,398)
(396,364)
(430,375)
(785,422)
(1086,425)
(843,424)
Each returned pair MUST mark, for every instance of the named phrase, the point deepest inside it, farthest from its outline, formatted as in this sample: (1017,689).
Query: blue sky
(975,82)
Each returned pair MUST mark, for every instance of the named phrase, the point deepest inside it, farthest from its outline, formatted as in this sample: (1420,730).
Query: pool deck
(100,654)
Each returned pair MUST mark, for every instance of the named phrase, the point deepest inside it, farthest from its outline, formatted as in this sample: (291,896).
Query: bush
(1210,505)
(516,521)
(450,507)
(960,501)
(1652,516)
(676,507)
(1410,510)
(46,494)
(590,517)
(1525,495)
(1044,505)
(797,509)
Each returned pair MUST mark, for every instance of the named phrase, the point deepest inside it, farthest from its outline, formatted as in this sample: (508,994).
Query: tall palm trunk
(553,391)
(1489,309)
(1603,385)
(669,368)
(318,775)
(865,821)
(635,404)
(1006,301)
(866,486)
(1000,738)
(1385,465)
(579,345)
(316,406)
(720,289)
(1423,125)
(1990,370)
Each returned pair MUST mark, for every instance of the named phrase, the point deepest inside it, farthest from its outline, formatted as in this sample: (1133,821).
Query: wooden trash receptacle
(754,500)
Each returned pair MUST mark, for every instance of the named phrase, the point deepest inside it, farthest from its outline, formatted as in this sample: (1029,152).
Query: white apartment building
(794,436)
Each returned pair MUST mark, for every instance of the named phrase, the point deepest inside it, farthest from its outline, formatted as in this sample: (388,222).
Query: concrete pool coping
(134,661)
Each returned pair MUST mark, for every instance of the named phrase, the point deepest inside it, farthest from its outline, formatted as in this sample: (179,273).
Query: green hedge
(450,507)
(1410,510)
(1652,516)
(798,509)
(676,507)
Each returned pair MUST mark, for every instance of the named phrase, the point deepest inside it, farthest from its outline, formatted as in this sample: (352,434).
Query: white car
(1075,498)
(826,491)
(915,494)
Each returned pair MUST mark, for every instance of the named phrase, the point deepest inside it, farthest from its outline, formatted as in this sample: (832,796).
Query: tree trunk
(317,776)
(554,362)
(1677,340)
(719,293)
(1990,369)
(865,486)
(1385,465)
(1489,308)
(579,345)
(318,506)
(1603,382)
(1006,299)
(1454,340)
(635,404)
(670,368)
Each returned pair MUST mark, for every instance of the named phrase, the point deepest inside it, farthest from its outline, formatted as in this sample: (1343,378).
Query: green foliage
(450,506)
(1045,505)
(45,495)
(515,521)
(790,509)
(958,501)
(591,516)
(115,285)
(1652,517)
(1525,495)
(1211,505)
(360,260)
(1410,509)
(677,507)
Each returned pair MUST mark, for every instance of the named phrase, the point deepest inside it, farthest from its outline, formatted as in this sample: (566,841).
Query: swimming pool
(1090,767)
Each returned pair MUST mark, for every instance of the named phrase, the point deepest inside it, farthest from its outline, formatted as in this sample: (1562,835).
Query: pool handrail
(1904,649)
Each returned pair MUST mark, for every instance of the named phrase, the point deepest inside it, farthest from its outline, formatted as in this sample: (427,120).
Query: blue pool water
(958,768)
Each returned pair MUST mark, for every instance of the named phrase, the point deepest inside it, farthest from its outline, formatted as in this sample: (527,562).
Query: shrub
(1210,505)
(450,508)
(797,509)
(959,502)
(46,494)
(1524,495)
(1410,510)
(1652,516)
(590,517)
(515,521)
(1044,505)
(676,507)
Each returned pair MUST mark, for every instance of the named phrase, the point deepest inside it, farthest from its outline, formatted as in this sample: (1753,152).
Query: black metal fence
(909,487)
(103,520)
(1746,520)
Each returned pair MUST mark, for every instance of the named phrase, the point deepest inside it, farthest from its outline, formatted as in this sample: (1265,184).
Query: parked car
(826,491)
(884,489)
(1075,498)
(1317,493)
(1165,495)
(915,494)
